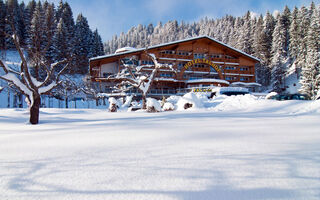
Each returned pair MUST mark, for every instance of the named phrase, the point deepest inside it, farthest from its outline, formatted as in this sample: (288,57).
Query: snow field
(261,149)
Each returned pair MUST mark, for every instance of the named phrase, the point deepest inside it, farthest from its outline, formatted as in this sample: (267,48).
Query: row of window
(147,62)
(234,68)
(233,78)
(196,55)
(166,75)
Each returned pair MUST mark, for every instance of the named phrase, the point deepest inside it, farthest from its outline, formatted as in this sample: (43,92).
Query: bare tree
(27,84)
(91,90)
(137,76)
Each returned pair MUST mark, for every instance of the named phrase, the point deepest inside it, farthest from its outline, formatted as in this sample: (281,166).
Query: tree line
(49,33)
(286,42)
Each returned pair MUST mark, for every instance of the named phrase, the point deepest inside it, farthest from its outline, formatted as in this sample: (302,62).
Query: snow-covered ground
(240,148)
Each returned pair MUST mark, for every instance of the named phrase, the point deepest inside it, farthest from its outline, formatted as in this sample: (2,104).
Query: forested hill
(50,31)
(286,42)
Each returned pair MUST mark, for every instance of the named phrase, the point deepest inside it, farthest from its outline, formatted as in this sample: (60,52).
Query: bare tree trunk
(66,102)
(144,101)
(97,102)
(20,100)
(34,110)
(15,105)
(8,105)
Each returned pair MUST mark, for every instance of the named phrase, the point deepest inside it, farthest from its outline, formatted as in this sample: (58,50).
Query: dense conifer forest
(50,30)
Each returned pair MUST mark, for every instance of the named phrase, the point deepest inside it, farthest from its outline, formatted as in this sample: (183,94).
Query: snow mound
(173,99)
(153,104)
(112,100)
(304,107)
(168,106)
(271,94)
(195,99)
(239,102)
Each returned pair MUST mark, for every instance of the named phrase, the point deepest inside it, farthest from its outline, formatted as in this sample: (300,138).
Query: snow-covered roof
(208,80)
(232,89)
(246,84)
(175,42)
(125,49)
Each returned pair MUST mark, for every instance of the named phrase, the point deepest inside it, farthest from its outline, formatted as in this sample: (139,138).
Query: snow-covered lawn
(255,150)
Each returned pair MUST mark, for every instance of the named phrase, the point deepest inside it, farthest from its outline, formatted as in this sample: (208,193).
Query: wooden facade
(200,62)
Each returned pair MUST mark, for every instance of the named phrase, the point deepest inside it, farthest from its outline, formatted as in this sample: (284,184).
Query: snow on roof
(175,42)
(166,79)
(246,84)
(206,80)
(125,49)
(232,89)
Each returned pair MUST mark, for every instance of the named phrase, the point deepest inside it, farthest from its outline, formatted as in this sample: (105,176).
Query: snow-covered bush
(318,95)
(168,106)
(190,100)
(127,102)
(173,99)
(113,107)
(153,105)
(271,94)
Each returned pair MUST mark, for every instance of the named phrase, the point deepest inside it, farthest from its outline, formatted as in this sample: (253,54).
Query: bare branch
(7,69)
(61,71)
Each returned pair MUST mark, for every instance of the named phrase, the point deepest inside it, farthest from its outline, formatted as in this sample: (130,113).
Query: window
(244,68)
(146,62)
(130,61)
(166,75)
(231,78)
(244,79)
(180,65)
(216,56)
(198,55)
(183,53)
(106,74)
(229,57)
(107,89)
(230,67)
(168,52)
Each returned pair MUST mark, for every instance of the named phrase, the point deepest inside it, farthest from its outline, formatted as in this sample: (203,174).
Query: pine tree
(262,69)
(36,42)
(82,45)
(64,13)
(97,45)
(2,24)
(60,45)
(245,37)
(50,25)
(267,33)
(28,17)
(304,23)
(279,58)
(294,35)
(310,76)
(12,18)
(22,25)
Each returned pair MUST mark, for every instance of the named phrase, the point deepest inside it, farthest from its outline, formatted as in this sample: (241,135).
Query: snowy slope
(252,149)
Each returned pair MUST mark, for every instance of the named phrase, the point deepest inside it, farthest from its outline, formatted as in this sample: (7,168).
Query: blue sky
(115,16)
